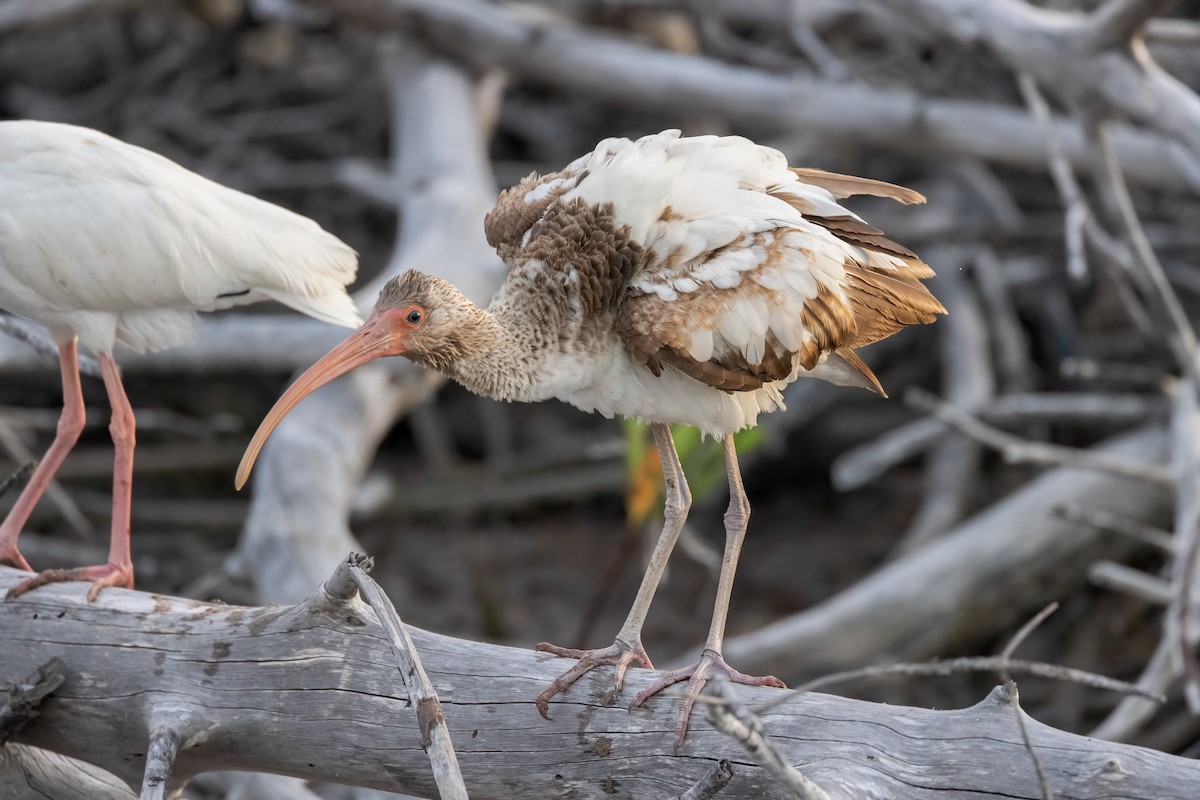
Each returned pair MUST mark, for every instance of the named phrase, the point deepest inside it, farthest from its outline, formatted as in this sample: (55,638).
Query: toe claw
(697,675)
(620,654)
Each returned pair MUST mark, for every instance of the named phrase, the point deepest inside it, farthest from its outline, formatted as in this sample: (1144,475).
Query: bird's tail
(335,307)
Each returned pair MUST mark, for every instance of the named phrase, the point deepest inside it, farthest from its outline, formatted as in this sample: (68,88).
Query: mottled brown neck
(559,303)
(497,352)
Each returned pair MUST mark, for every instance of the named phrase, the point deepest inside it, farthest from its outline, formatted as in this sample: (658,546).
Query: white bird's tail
(335,307)
(289,258)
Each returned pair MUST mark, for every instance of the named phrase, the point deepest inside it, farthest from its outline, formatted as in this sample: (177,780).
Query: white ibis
(106,243)
(673,279)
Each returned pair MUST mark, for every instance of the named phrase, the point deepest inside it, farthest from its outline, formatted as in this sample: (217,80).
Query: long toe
(698,675)
(619,654)
(100,576)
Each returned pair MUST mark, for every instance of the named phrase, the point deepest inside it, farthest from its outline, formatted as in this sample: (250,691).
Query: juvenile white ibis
(105,243)
(673,279)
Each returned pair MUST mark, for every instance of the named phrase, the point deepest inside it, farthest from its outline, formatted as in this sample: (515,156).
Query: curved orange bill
(373,340)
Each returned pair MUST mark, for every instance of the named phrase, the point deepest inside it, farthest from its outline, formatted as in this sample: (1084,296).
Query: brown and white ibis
(672,279)
(109,244)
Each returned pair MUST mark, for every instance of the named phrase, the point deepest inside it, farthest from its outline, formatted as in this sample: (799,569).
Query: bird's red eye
(414,316)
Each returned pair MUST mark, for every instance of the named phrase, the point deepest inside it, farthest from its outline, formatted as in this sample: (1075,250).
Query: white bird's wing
(91,224)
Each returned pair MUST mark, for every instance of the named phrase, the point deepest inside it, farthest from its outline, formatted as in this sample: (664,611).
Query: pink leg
(119,569)
(711,661)
(70,425)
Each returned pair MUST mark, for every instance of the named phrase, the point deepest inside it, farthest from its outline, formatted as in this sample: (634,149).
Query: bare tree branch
(732,718)
(1032,39)
(1018,450)
(634,75)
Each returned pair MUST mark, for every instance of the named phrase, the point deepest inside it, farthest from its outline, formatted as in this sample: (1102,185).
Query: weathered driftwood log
(312,690)
(30,773)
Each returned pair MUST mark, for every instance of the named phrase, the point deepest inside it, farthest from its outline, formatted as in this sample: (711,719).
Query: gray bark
(312,691)
(28,772)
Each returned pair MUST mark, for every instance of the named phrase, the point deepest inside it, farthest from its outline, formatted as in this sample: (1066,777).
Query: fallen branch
(1010,688)
(1100,70)
(1180,628)
(30,773)
(711,784)
(1117,523)
(863,464)
(585,62)
(731,717)
(1073,200)
(1017,450)
(263,685)
(24,697)
(18,478)
(992,570)
(1130,581)
(997,664)
(39,341)
(352,575)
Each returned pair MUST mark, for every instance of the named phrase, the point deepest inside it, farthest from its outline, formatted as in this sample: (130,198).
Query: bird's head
(418,316)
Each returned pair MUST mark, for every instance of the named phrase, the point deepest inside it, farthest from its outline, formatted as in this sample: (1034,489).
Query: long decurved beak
(374,339)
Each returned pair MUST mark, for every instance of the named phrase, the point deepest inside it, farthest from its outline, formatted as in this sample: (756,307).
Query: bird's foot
(101,575)
(711,663)
(619,654)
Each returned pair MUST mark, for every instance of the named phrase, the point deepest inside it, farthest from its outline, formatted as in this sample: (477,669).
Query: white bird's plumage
(749,268)
(119,245)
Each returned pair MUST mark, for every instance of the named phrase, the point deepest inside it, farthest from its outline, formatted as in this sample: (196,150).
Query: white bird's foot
(697,675)
(619,654)
(101,575)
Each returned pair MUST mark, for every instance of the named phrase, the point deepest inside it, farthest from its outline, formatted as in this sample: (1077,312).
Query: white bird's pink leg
(711,661)
(627,647)
(119,569)
(70,425)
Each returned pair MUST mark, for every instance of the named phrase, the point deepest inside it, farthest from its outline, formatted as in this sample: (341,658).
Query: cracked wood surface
(312,691)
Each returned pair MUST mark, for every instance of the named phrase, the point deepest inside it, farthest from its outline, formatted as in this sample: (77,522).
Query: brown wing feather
(711,372)
(848,185)
(877,304)
(505,225)
(852,358)
(876,299)
(857,232)
(884,303)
